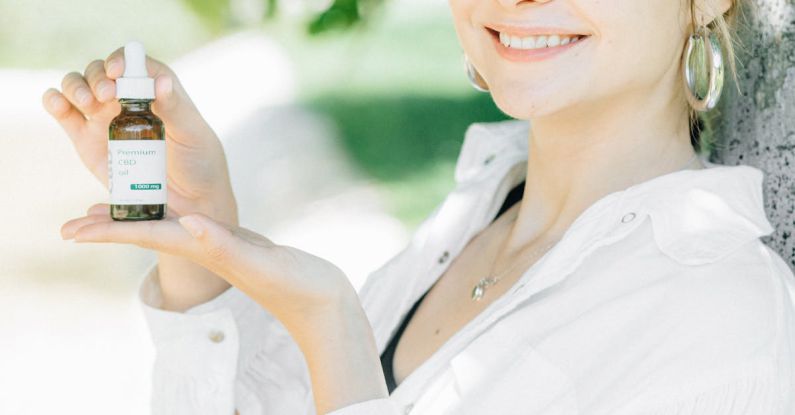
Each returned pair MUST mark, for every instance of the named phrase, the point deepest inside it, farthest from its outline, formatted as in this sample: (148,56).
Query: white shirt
(659,299)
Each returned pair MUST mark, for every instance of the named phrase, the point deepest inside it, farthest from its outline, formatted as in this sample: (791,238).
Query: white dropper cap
(135,83)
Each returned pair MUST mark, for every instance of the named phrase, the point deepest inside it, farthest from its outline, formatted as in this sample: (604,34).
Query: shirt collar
(698,216)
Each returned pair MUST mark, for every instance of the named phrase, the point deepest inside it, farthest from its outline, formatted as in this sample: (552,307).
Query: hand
(292,284)
(310,296)
(198,178)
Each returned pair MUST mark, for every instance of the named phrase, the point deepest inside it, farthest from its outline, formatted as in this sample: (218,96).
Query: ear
(708,10)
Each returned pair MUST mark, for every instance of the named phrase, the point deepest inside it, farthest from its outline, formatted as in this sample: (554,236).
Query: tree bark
(757,125)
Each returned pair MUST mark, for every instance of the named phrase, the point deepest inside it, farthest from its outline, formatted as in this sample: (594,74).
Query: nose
(515,3)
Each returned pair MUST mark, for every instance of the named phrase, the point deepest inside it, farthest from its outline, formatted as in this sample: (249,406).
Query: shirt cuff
(201,342)
(381,406)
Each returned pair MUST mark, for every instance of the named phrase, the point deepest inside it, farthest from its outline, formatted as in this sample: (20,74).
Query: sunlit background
(340,139)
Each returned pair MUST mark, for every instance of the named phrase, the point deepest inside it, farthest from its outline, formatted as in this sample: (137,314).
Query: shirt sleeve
(751,394)
(382,406)
(220,356)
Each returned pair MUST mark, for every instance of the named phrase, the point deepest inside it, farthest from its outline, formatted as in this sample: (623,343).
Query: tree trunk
(757,125)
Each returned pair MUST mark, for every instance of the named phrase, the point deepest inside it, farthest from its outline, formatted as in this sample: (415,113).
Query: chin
(519,106)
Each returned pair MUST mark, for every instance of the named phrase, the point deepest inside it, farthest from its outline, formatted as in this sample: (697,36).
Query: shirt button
(216,336)
(407,409)
(444,257)
(628,217)
(489,159)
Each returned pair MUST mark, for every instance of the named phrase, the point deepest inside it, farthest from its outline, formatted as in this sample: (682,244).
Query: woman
(629,278)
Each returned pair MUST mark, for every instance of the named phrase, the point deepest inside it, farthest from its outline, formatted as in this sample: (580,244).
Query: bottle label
(137,172)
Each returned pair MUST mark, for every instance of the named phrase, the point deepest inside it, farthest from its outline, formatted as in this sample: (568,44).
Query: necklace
(484,283)
(480,288)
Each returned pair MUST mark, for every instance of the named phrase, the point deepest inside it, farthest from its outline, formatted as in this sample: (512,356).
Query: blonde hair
(726,26)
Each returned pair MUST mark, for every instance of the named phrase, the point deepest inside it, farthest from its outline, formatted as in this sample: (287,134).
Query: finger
(172,104)
(77,91)
(69,228)
(104,88)
(98,209)
(114,65)
(219,244)
(232,256)
(160,235)
(70,119)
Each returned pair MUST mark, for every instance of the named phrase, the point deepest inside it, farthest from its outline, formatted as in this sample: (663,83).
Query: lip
(531,55)
(533,30)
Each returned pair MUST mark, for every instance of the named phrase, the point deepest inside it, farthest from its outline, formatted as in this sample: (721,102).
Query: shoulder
(718,323)
(732,309)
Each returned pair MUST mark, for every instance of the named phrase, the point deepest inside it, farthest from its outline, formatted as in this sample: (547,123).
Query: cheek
(462,14)
(635,44)
(639,44)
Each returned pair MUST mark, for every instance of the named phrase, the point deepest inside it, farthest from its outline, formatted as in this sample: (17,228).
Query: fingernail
(82,95)
(191,225)
(112,66)
(55,102)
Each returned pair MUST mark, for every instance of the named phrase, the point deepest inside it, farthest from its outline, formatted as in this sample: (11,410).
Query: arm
(185,284)
(228,353)
(194,374)
(342,358)
(758,391)
(311,298)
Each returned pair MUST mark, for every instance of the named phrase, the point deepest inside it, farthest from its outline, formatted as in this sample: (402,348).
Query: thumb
(176,109)
(164,93)
(172,104)
(218,243)
(169,103)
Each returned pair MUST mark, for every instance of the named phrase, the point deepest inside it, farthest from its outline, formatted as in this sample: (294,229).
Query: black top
(514,196)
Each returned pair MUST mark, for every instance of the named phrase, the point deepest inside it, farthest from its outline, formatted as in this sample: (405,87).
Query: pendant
(480,288)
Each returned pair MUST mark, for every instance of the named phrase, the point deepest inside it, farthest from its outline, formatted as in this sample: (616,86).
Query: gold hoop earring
(475,79)
(706,43)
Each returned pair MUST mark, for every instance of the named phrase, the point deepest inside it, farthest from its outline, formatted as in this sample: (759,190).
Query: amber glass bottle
(138,188)
(136,146)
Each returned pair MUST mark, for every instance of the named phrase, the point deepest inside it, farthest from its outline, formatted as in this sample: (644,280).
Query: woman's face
(628,48)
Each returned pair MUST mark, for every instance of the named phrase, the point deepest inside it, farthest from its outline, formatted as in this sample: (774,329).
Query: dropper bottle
(136,145)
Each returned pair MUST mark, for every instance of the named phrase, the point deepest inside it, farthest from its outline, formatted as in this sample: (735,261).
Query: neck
(577,156)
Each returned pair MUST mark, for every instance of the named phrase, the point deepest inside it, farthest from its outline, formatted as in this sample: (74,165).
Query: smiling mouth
(544,41)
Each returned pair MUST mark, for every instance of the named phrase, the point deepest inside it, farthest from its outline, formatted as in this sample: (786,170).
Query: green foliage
(216,14)
(340,14)
(408,143)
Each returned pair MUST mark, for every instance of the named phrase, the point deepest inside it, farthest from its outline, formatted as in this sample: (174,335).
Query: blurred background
(341,122)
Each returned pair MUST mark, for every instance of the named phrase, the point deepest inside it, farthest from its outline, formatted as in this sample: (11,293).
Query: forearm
(184,283)
(342,358)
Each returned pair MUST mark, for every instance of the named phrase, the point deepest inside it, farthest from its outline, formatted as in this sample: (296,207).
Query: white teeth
(537,42)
